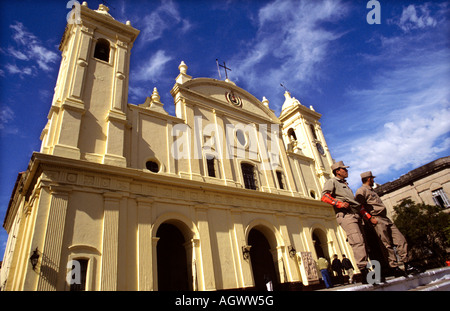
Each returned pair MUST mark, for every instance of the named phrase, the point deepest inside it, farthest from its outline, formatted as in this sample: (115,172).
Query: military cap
(367,174)
(337,165)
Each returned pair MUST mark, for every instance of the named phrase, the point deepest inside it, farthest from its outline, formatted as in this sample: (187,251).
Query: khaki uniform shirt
(339,189)
(370,200)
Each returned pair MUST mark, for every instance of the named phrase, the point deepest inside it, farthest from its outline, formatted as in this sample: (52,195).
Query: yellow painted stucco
(88,193)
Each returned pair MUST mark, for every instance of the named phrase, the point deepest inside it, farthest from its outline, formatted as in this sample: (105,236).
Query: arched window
(313,131)
(280,179)
(102,50)
(248,173)
(291,134)
(78,274)
(210,163)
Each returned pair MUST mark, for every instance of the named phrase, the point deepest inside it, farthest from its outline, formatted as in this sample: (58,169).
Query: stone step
(431,280)
(440,285)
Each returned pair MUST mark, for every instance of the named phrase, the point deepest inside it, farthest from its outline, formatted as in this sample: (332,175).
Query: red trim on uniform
(364,213)
(327,198)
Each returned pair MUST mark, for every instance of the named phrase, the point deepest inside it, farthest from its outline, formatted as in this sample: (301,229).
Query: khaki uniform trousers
(390,236)
(351,223)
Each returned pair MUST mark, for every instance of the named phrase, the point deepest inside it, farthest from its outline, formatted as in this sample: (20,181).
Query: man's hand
(373,220)
(341,204)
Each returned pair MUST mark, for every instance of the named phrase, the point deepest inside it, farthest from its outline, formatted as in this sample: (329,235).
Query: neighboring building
(428,184)
(224,195)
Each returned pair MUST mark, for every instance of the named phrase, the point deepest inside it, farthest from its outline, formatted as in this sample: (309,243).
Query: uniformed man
(373,210)
(337,193)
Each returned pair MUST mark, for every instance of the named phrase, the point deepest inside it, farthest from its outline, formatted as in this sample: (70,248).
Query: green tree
(427,230)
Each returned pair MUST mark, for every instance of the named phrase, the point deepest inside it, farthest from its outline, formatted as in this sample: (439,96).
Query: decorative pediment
(220,95)
(226,95)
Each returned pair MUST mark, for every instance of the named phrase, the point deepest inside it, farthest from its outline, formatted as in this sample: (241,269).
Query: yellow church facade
(223,195)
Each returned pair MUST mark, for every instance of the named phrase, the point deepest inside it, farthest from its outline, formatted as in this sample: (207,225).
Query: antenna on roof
(285,88)
(218,69)
(107,4)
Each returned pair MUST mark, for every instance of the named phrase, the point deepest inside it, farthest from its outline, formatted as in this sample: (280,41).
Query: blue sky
(382,89)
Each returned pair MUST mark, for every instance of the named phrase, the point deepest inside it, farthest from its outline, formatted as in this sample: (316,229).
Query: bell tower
(87,118)
(303,135)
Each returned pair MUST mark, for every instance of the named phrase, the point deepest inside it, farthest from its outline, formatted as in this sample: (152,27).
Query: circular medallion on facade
(233,99)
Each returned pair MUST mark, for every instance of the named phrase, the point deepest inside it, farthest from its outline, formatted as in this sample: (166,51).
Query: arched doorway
(262,260)
(171,259)
(320,244)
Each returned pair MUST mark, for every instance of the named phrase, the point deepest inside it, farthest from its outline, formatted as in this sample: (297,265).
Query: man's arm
(327,198)
(328,189)
(360,198)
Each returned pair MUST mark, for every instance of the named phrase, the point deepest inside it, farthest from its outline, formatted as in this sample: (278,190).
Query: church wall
(304,176)
(307,170)
(222,250)
(86,214)
(217,220)
(152,143)
(97,98)
(108,207)
(299,180)
(153,137)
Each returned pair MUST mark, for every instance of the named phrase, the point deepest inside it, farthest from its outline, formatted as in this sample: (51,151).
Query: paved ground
(431,280)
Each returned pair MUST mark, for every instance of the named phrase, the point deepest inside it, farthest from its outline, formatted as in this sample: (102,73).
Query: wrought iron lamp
(292,251)
(246,251)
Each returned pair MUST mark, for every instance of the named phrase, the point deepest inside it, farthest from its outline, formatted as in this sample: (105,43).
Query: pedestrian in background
(348,267)
(323,267)
(336,265)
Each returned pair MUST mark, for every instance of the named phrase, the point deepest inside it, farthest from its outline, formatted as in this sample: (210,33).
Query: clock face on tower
(320,149)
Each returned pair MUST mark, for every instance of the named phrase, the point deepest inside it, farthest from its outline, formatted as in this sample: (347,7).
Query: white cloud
(30,49)
(7,117)
(153,68)
(289,35)
(420,16)
(401,122)
(164,17)
(410,20)
(14,69)
(410,142)
(137,93)
(21,35)
(43,56)
(17,54)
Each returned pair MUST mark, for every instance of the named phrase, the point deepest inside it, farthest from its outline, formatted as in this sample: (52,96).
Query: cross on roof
(224,66)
